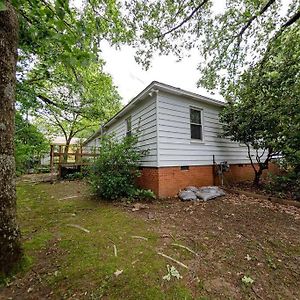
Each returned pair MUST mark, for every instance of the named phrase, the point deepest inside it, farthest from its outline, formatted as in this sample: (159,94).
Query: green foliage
(229,37)
(60,75)
(30,144)
(74,176)
(286,185)
(264,108)
(142,194)
(114,173)
(247,280)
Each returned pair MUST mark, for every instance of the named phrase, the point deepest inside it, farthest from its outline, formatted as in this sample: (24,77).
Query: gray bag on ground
(209,192)
(192,188)
(187,195)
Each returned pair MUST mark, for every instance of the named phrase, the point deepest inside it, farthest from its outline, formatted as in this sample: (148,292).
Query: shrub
(285,185)
(74,176)
(114,173)
(141,194)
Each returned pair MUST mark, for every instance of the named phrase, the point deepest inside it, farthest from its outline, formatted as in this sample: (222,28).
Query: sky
(131,78)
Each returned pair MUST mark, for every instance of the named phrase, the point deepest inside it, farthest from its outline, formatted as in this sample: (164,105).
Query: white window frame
(128,132)
(202,124)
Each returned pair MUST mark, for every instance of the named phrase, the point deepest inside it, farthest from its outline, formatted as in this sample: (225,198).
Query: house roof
(155,86)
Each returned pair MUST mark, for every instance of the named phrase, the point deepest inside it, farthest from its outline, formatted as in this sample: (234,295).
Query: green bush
(75,176)
(115,171)
(285,185)
(141,194)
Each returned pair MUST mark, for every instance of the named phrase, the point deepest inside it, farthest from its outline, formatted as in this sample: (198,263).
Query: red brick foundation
(167,181)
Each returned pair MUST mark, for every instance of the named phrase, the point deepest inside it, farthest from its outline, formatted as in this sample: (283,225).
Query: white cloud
(131,78)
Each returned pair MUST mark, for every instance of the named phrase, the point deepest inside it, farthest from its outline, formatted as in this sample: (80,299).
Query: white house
(181,130)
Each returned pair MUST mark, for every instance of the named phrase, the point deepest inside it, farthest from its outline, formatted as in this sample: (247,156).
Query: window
(128,126)
(196,124)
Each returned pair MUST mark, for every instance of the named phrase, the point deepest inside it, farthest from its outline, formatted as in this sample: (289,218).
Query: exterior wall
(94,143)
(168,181)
(149,179)
(175,146)
(143,118)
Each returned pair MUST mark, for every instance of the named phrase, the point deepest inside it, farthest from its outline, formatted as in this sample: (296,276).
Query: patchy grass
(246,248)
(69,262)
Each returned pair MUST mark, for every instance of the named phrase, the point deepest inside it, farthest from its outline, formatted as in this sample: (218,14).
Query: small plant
(287,184)
(172,272)
(247,280)
(271,263)
(141,194)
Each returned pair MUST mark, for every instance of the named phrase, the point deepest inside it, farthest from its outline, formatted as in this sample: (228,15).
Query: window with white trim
(128,126)
(196,124)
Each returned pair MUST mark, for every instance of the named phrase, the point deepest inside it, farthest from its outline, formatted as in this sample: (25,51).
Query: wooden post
(76,156)
(60,153)
(51,159)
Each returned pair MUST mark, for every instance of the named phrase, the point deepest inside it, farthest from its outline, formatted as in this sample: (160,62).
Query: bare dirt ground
(235,236)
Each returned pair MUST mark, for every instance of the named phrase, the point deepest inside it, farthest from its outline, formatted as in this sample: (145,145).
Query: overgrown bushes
(114,173)
(286,185)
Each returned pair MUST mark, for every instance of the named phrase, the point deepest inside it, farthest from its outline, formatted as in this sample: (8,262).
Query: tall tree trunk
(257,176)
(66,151)
(10,247)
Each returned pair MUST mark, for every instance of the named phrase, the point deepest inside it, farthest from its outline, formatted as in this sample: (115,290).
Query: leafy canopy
(264,106)
(60,49)
(231,36)
(30,144)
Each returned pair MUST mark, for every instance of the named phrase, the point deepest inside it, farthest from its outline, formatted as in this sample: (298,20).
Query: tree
(252,123)
(30,144)
(75,108)
(229,39)
(10,247)
(264,111)
(49,33)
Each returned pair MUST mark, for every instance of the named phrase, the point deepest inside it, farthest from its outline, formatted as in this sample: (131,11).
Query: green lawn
(73,263)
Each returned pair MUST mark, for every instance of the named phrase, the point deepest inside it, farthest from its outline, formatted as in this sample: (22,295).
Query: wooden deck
(72,160)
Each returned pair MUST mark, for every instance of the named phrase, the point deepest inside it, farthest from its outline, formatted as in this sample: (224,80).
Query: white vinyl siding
(143,118)
(94,143)
(176,148)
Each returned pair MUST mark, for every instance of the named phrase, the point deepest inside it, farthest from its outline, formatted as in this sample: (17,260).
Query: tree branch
(249,155)
(288,23)
(48,101)
(196,9)
(248,24)
(291,21)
